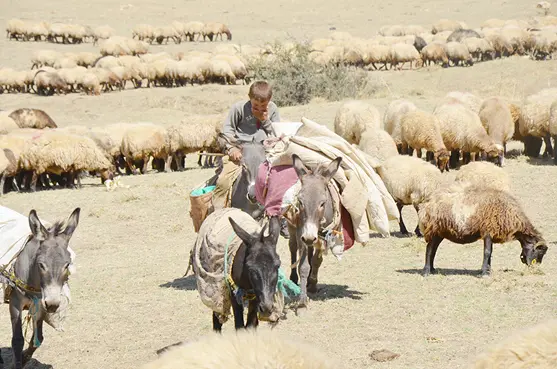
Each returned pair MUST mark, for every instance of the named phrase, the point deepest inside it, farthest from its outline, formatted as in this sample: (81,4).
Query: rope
(32,315)
(284,285)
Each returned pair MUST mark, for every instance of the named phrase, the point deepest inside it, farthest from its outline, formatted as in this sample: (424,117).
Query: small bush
(296,79)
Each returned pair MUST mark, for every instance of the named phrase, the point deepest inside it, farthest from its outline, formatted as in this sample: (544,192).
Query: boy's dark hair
(261,91)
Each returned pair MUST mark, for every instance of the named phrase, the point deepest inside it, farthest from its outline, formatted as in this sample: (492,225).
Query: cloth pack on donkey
(212,258)
(14,234)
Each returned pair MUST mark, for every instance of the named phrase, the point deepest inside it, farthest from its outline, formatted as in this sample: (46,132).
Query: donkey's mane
(57,228)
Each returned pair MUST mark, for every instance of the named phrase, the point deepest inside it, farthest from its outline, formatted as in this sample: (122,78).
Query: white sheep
(495,115)
(458,53)
(194,30)
(435,53)
(532,347)
(213,30)
(422,130)
(378,144)
(402,53)
(446,25)
(462,129)
(485,174)
(102,33)
(394,112)
(7,124)
(410,181)
(353,118)
(534,116)
(245,348)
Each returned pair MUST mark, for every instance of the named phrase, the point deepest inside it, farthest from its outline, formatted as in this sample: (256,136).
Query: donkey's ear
(228,139)
(331,169)
(274,230)
(71,224)
(240,232)
(37,228)
(301,169)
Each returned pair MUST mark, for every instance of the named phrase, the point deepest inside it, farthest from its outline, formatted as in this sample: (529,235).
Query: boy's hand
(261,115)
(235,155)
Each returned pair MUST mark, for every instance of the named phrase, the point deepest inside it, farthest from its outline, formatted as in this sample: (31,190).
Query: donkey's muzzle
(51,306)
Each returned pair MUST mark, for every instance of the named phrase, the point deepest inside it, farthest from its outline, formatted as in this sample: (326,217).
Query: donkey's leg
(303,270)
(238,310)
(316,260)
(293,245)
(28,354)
(216,323)
(17,336)
(252,322)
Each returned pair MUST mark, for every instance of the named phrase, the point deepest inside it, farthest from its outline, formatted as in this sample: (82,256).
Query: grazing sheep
(467,99)
(49,83)
(458,54)
(444,25)
(528,348)
(213,30)
(461,34)
(194,30)
(497,120)
(402,53)
(484,173)
(246,348)
(143,140)
(102,33)
(32,118)
(394,112)
(66,154)
(479,48)
(435,53)
(378,144)
(462,130)
(534,117)
(421,130)
(465,213)
(353,118)
(376,53)
(410,181)
(419,43)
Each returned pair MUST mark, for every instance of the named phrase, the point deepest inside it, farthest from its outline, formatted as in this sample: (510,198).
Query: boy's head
(260,93)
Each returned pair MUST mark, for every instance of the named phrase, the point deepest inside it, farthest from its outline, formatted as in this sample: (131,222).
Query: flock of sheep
(38,154)
(25,30)
(447,42)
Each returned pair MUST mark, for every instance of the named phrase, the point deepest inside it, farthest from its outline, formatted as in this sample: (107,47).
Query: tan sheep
(353,118)
(482,173)
(245,348)
(32,118)
(447,25)
(378,144)
(528,348)
(467,99)
(458,54)
(435,53)
(213,30)
(393,114)
(462,130)
(64,153)
(465,213)
(410,181)
(421,130)
(497,120)
(402,53)
(534,117)
(143,140)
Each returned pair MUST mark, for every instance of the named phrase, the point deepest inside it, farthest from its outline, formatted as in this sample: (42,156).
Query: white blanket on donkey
(14,233)
(357,177)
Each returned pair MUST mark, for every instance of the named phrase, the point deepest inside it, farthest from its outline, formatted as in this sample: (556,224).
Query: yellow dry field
(129,297)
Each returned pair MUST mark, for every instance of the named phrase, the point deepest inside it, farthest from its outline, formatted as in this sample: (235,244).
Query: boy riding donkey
(246,120)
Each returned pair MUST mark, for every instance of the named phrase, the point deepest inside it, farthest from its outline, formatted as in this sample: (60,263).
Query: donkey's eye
(322,205)
(42,266)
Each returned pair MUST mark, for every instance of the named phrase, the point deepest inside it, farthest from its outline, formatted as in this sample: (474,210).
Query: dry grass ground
(132,244)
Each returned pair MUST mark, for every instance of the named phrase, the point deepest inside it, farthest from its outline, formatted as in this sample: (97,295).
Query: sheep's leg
(429,156)
(145,164)
(465,158)
(2,183)
(401,224)
(488,248)
(455,158)
(34,179)
(316,260)
(417,231)
(238,310)
(430,252)
(293,246)
(419,152)
(167,167)
(548,147)
(555,150)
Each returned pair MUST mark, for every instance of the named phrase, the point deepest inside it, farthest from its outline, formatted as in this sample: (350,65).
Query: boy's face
(259,109)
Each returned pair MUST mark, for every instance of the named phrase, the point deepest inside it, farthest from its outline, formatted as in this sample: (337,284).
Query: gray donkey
(243,189)
(316,212)
(41,269)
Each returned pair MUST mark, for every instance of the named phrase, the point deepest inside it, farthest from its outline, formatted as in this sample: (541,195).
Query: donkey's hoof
(312,287)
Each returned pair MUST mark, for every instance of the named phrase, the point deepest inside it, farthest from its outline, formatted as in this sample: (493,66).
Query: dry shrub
(296,79)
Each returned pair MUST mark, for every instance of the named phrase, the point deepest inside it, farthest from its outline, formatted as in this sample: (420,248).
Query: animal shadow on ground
(6,354)
(541,161)
(335,291)
(183,283)
(444,272)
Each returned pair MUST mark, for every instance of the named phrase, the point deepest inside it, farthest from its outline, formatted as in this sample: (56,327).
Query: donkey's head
(312,197)
(52,258)
(253,155)
(261,262)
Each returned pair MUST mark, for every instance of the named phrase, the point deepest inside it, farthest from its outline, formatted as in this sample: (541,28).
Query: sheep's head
(496,154)
(532,251)
(441,158)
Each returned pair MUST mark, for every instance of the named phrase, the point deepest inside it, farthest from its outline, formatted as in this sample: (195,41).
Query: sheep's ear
(331,169)
(37,228)
(301,169)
